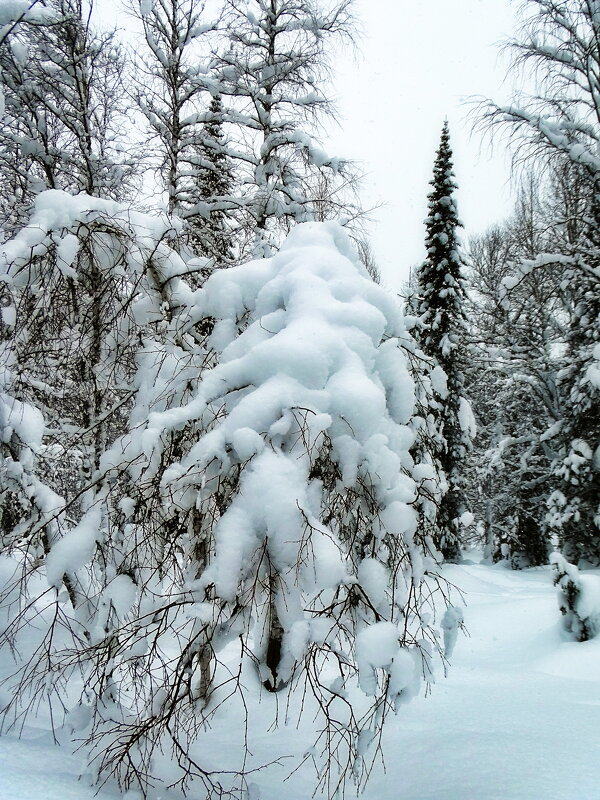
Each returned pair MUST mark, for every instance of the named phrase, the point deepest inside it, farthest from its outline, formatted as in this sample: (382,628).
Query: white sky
(420,61)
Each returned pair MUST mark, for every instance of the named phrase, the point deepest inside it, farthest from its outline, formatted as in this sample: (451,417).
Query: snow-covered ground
(517,718)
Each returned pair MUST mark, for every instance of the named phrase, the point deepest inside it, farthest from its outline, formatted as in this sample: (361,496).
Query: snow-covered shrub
(267,499)
(578,599)
(451,623)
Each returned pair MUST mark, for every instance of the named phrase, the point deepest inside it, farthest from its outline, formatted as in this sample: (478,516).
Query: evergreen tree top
(443,182)
(441,289)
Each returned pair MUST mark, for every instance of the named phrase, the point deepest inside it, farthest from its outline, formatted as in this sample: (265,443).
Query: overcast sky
(420,62)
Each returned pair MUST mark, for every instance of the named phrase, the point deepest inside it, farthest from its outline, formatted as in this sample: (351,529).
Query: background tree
(63,121)
(62,130)
(211,233)
(575,504)
(12,17)
(515,334)
(185,139)
(273,74)
(166,92)
(441,331)
(560,43)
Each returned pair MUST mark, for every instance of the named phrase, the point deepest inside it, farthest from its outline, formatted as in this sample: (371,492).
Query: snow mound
(578,599)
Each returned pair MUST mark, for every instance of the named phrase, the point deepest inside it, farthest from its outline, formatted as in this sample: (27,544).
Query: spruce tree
(210,234)
(440,304)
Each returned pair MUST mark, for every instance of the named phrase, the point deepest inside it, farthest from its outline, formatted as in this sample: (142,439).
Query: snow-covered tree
(273,74)
(559,123)
(210,233)
(170,93)
(62,126)
(575,504)
(253,503)
(515,335)
(100,571)
(265,65)
(62,130)
(16,14)
(439,303)
(577,599)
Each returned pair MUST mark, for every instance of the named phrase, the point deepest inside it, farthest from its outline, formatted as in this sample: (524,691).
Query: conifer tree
(209,234)
(440,305)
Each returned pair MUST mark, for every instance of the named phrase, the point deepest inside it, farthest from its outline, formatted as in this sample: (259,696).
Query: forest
(243,483)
